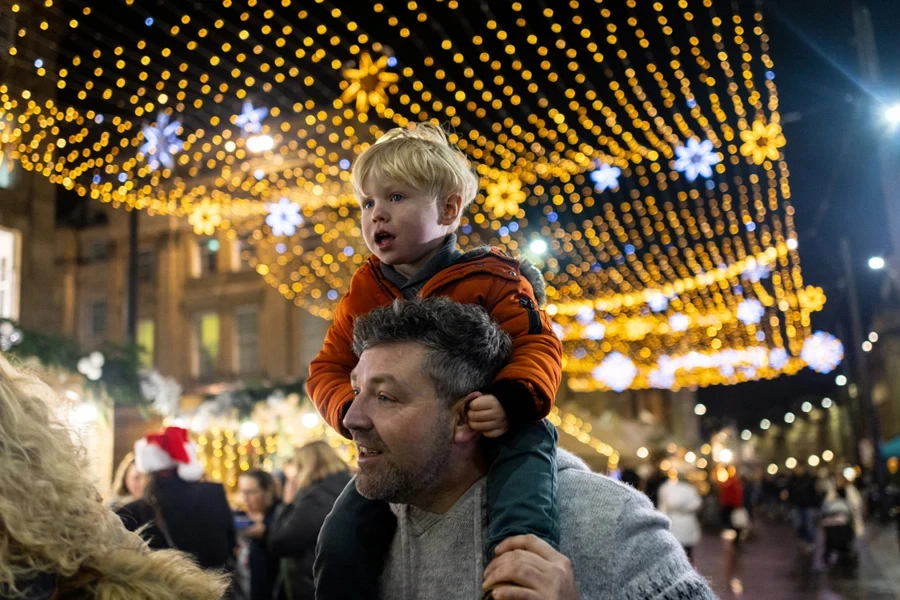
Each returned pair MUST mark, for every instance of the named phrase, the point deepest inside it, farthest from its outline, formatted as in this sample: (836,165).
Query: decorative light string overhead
(633,150)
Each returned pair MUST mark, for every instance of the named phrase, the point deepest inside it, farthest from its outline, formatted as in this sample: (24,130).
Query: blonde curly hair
(52,520)
(421,157)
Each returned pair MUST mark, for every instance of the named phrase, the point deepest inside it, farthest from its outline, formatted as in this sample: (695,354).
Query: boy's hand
(487,416)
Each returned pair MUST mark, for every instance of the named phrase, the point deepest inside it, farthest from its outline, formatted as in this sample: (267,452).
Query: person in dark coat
(319,476)
(257,488)
(182,512)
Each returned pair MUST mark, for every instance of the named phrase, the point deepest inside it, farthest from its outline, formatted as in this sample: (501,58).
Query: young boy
(413,186)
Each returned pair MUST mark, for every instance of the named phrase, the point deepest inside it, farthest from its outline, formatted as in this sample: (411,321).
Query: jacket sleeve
(329,374)
(526,387)
(297,528)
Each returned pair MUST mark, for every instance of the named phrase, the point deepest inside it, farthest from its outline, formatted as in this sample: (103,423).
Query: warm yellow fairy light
(664,263)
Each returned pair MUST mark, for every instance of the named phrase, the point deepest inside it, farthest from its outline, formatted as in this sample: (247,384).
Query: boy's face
(401,225)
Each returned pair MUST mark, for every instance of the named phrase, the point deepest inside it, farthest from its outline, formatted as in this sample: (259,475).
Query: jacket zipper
(534,317)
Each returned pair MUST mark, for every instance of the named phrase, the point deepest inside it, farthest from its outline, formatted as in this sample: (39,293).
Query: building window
(146,263)
(9,172)
(244,252)
(209,255)
(98,318)
(206,343)
(9,274)
(96,251)
(146,340)
(246,322)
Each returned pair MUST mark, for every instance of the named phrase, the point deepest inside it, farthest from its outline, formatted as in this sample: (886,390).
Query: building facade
(205,317)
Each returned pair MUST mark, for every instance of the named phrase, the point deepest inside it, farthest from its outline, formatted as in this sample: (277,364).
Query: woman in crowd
(681,502)
(319,477)
(735,524)
(259,566)
(128,484)
(178,510)
(57,540)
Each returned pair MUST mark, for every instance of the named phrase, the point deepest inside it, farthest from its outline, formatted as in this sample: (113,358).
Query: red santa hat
(170,449)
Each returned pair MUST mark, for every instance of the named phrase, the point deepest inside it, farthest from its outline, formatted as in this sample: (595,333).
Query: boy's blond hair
(421,157)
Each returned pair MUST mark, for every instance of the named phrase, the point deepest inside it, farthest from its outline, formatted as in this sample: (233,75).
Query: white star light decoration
(595,331)
(9,336)
(91,366)
(616,372)
(161,142)
(606,177)
(658,302)
(750,312)
(822,352)
(696,158)
(250,119)
(679,322)
(778,357)
(284,217)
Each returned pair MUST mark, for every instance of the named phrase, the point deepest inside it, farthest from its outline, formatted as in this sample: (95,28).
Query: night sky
(832,120)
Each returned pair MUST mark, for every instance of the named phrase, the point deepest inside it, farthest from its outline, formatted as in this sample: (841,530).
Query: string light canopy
(632,150)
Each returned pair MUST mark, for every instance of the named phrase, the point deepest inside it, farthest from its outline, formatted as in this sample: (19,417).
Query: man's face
(400,224)
(403,431)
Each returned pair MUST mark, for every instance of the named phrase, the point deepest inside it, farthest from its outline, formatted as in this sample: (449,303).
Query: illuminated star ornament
(284,217)
(822,352)
(205,217)
(250,119)
(696,158)
(606,177)
(367,85)
(762,141)
(504,196)
(161,142)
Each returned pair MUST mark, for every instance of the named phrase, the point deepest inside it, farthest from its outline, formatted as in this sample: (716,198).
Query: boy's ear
(449,209)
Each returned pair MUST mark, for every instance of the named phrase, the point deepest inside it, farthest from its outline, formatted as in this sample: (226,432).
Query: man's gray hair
(466,348)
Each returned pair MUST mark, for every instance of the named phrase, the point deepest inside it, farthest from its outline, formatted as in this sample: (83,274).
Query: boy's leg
(522,486)
(352,546)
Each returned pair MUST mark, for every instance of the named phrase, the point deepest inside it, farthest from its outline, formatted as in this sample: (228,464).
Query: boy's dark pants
(521,497)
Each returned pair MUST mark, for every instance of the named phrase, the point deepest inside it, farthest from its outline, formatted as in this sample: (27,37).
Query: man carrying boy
(413,187)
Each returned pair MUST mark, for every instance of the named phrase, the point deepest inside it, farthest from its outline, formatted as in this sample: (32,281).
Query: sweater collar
(446,256)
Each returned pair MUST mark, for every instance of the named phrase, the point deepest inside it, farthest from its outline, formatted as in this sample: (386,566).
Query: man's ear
(449,209)
(462,433)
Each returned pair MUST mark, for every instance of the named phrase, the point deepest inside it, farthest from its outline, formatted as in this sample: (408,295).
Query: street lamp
(876,263)
(892,114)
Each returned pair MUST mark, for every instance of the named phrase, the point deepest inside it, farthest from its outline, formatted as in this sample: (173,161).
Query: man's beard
(390,482)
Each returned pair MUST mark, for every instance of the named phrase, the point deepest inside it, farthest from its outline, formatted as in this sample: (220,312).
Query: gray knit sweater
(620,547)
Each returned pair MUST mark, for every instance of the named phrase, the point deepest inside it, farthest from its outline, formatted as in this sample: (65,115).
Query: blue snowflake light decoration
(696,158)
(585,315)
(161,142)
(595,331)
(250,119)
(822,352)
(284,217)
(662,379)
(606,177)
(755,271)
(750,312)
(679,322)
(616,372)
(778,357)
(658,302)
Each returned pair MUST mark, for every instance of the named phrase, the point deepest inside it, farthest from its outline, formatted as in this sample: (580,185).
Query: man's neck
(442,497)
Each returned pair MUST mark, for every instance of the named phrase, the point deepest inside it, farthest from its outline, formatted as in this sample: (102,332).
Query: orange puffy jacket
(526,387)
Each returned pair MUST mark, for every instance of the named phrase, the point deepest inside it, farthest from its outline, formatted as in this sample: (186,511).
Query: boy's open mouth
(383,239)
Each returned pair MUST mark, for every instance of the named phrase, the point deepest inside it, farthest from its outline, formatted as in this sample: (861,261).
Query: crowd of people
(826,511)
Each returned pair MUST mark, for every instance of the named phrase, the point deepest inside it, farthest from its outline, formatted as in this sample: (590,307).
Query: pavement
(776,568)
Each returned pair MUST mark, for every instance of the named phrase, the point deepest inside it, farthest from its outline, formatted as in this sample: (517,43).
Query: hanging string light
(633,151)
